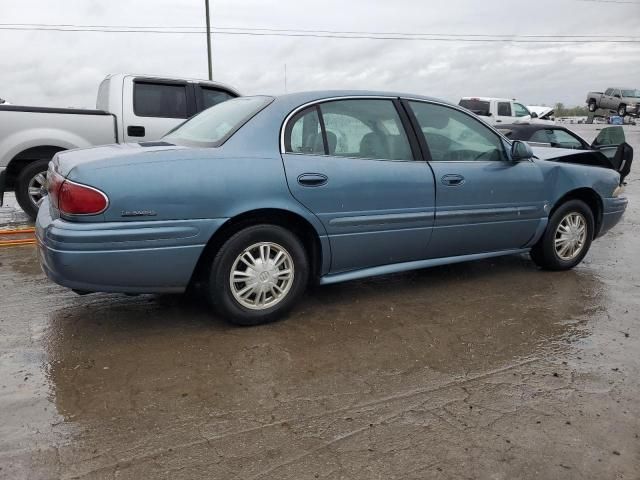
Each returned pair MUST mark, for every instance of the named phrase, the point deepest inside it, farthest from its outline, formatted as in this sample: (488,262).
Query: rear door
(503,112)
(485,202)
(153,107)
(352,163)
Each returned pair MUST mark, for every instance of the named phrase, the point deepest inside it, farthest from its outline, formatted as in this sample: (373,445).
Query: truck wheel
(31,187)
(592,106)
(567,238)
(258,275)
(622,110)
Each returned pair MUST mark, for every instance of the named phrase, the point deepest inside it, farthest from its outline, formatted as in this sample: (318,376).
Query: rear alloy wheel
(592,106)
(258,274)
(31,187)
(567,238)
(622,110)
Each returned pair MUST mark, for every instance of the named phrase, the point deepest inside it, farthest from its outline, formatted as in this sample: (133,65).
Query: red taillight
(74,198)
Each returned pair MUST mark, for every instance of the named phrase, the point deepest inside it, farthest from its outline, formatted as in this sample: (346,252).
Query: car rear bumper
(613,210)
(126,257)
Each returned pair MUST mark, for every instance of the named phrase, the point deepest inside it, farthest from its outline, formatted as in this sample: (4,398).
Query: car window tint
(520,110)
(213,96)
(541,136)
(213,126)
(563,139)
(504,109)
(304,134)
(479,107)
(608,91)
(453,135)
(159,100)
(366,129)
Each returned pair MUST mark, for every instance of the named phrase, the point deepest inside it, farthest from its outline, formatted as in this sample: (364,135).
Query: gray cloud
(56,68)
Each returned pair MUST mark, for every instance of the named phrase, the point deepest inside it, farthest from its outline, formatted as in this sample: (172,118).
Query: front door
(484,202)
(351,163)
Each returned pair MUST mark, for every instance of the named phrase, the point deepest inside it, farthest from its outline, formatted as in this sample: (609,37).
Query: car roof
(294,100)
(489,99)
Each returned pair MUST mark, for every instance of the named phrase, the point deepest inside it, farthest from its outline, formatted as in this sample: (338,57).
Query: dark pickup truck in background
(624,101)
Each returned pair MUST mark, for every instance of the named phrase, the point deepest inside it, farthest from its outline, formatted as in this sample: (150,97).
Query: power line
(293,33)
(179,29)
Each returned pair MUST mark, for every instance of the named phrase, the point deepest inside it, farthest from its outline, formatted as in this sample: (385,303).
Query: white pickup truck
(500,110)
(130,108)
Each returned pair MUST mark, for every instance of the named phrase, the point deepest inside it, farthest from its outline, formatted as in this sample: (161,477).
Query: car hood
(116,154)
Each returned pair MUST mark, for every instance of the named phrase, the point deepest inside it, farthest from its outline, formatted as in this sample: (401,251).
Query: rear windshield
(479,107)
(212,127)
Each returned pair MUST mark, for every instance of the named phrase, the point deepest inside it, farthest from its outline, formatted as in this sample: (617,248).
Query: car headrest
(374,145)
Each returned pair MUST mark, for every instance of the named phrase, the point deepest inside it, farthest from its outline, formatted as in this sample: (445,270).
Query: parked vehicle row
(624,101)
(129,108)
(256,197)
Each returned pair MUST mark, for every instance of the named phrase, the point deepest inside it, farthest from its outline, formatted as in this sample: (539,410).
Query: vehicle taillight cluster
(73,198)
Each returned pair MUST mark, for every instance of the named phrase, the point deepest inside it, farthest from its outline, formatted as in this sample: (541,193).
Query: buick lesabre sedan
(258,196)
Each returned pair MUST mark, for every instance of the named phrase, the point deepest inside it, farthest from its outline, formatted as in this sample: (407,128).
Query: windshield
(212,127)
(631,93)
(479,107)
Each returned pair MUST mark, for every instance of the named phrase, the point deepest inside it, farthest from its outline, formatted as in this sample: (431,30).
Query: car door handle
(498,121)
(135,131)
(452,180)
(312,179)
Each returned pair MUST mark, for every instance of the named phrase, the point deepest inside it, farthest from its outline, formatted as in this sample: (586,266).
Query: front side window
(520,110)
(211,127)
(504,109)
(452,135)
(160,100)
(213,96)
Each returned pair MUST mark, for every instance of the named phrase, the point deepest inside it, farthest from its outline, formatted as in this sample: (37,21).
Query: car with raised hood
(129,108)
(253,199)
(609,149)
(623,101)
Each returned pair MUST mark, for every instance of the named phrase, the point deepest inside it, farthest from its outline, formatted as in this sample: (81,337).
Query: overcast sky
(65,68)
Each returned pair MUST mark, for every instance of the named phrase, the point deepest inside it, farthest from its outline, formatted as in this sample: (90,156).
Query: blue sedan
(258,196)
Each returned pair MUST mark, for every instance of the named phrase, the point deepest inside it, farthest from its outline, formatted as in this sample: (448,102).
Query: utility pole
(206,4)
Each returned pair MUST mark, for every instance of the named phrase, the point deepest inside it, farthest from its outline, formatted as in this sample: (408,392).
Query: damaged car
(256,198)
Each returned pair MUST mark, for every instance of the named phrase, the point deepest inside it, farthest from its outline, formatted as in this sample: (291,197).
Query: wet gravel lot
(485,370)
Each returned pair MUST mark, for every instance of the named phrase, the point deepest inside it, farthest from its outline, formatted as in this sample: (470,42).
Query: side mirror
(520,151)
(534,115)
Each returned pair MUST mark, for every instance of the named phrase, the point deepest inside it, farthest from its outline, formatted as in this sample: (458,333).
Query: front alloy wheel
(567,238)
(258,274)
(571,236)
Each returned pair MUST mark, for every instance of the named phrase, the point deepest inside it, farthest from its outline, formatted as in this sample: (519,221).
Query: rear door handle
(452,180)
(312,179)
(135,131)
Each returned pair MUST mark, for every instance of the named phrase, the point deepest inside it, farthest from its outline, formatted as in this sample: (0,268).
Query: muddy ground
(486,370)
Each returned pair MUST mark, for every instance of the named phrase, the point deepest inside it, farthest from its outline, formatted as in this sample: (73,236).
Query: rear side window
(504,109)
(212,96)
(608,91)
(479,107)
(304,133)
(160,100)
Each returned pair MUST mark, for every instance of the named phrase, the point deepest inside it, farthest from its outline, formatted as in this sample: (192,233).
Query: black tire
(622,110)
(219,291)
(22,186)
(544,253)
(592,106)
